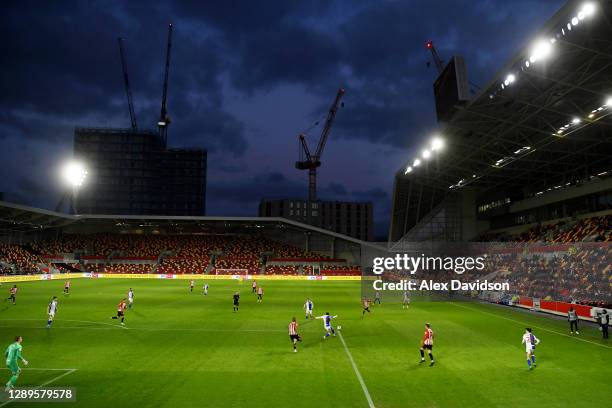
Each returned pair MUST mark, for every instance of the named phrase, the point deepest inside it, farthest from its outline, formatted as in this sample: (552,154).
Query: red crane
(164,119)
(313,161)
(128,90)
(437,60)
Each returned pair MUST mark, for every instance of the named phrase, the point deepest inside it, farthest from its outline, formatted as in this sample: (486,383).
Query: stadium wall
(29,278)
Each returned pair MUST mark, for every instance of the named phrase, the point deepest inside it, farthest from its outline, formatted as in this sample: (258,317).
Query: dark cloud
(337,189)
(61,68)
(373,194)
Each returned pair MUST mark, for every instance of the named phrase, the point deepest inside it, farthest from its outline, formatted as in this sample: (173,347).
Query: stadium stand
(17,259)
(592,229)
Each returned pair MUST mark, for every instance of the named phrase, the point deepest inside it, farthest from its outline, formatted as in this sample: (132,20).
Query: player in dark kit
(293,334)
(236,299)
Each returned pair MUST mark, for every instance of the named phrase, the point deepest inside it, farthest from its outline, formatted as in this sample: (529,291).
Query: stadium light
(437,144)
(416,163)
(426,154)
(575,21)
(509,79)
(609,102)
(408,170)
(541,50)
(588,9)
(576,121)
(74,173)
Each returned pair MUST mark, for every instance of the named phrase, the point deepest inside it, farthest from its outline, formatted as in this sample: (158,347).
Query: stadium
(513,189)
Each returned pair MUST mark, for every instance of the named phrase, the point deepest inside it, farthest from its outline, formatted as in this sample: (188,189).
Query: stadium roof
(542,120)
(16,218)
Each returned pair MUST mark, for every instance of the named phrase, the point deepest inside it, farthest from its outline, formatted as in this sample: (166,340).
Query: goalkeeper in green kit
(13,355)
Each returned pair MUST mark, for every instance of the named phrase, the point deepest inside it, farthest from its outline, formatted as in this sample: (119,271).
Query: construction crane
(164,119)
(126,79)
(437,60)
(313,161)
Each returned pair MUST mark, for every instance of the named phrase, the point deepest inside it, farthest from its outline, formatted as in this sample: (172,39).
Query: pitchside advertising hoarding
(551,275)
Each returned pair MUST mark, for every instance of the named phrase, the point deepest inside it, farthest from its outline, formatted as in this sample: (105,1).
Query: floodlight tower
(313,161)
(73,175)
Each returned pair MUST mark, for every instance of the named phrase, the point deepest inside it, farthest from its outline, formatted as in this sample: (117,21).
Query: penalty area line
(356,370)
(52,380)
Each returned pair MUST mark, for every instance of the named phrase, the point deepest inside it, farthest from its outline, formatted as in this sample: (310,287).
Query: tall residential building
(134,172)
(348,218)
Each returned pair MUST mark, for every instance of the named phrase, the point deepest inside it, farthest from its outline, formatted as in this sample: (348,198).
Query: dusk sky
(246,78)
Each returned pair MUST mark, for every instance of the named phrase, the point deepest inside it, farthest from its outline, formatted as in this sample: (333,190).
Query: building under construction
(132,171)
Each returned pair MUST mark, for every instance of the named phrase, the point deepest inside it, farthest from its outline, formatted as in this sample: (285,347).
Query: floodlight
(527,64)
(575,21)
(509,79)
(437,144)
(416,163)
(74,173)
(426,154)
(581,15)
(541,50)
(588,9)
(609,102)
(576,121)
(408,170)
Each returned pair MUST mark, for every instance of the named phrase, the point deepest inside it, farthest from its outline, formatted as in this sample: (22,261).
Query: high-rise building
(348,218)
(134,172)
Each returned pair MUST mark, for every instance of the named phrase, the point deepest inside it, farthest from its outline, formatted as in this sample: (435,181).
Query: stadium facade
(353,219)
(532,146)
(134,172)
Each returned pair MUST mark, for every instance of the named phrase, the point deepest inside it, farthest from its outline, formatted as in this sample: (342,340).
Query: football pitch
(182,349)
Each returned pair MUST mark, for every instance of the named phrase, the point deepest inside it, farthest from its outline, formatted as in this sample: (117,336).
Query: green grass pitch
(182,349)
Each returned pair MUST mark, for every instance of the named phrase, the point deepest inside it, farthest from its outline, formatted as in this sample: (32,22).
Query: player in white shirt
(327,324)
(191,285)
(406,300)
(205,289)
(530,341)
(308,307)
(51,310)
(130,298)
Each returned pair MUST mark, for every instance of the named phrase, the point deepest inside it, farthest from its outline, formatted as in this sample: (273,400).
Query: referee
(572,317)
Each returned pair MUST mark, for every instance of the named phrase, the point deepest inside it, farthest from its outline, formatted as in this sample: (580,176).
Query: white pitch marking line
(359,377)
(112,327)
(537,327)
(68,372)
(45,369)
(62,320)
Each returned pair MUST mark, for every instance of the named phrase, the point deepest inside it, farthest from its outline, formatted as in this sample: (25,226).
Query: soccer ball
(339,327)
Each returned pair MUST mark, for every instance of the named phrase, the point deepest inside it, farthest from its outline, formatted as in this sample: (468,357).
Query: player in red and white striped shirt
(121,311)
(13,294)
(293,334)
(427,344)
